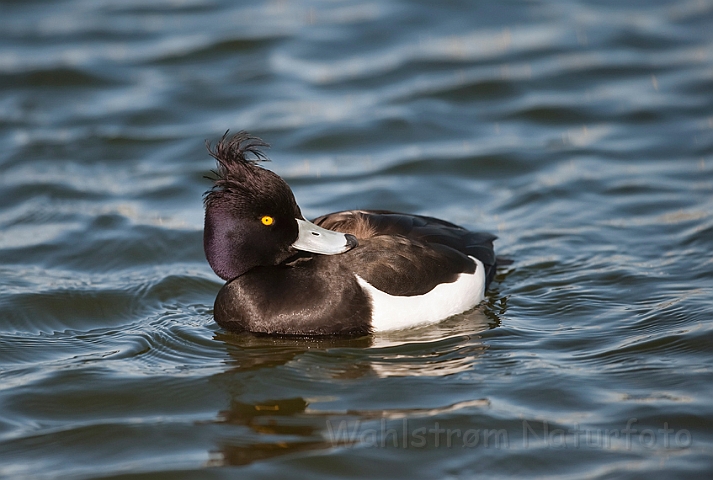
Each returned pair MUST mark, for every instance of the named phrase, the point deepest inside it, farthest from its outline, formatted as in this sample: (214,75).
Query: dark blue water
(580,132)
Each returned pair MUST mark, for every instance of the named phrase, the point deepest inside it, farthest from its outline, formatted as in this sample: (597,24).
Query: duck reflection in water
(282,420)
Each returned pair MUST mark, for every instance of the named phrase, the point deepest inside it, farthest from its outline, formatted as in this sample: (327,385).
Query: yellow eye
(267,220)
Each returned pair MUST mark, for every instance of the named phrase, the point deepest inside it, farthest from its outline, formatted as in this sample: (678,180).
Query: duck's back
(365,224)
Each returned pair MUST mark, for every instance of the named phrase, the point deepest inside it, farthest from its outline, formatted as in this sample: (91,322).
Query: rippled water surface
(581,133)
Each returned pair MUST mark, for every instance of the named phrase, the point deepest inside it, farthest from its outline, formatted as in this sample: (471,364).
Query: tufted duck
(345,273)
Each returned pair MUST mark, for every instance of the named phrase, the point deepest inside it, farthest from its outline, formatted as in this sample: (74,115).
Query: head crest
(237,148)
(237,158)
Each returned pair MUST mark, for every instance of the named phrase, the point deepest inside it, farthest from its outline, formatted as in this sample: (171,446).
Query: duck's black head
(251,216)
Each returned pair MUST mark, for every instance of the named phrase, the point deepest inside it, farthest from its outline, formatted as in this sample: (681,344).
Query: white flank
(391,312)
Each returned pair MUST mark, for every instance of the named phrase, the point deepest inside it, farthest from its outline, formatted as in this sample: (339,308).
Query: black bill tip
(351,241)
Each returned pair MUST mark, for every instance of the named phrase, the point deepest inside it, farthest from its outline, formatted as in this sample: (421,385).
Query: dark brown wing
(365,224)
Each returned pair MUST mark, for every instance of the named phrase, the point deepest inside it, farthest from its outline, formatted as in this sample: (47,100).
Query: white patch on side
(391,312)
